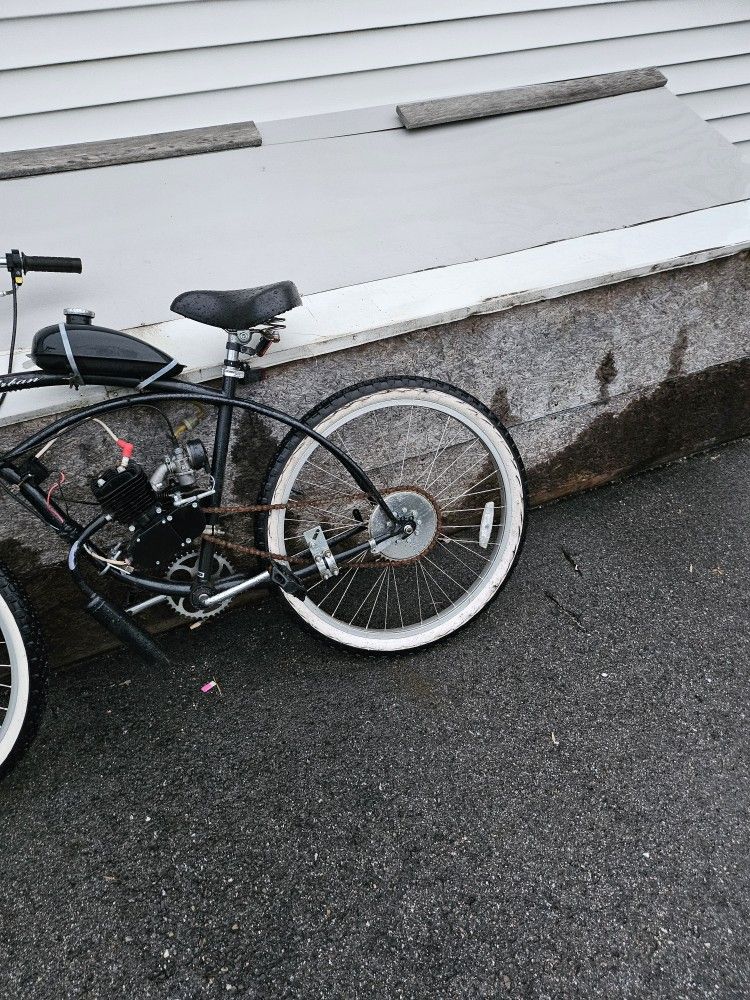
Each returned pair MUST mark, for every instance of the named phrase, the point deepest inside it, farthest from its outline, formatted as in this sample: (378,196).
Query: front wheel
(439,457)
(23,672)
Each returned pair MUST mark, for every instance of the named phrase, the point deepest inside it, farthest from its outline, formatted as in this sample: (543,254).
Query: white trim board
(344,317)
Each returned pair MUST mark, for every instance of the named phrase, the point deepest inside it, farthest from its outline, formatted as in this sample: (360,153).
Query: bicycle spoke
(437,452)
(429,591)
(321,510)
(471,493)
(454,441)
(333,527)
(455,541)
(458,459)
(331,475)
(344,447)
(365,598)
(383,578)
(442,590)
(346,591)
(386,450)
(481,459)
(468,541)
(398,597)
(419,595)
(432,458)
(454,555)
(441,570)
(406,443)
(334,588)
(464,510)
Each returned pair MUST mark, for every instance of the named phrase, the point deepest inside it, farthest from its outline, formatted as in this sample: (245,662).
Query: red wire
(53,487)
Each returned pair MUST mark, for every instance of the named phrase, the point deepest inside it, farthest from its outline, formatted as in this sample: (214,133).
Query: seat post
(232,356)
(231,373)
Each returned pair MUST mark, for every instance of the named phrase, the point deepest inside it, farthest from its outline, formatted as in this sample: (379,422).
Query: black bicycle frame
(164,390)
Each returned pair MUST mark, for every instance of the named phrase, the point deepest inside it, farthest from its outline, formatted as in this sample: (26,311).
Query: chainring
(183,570)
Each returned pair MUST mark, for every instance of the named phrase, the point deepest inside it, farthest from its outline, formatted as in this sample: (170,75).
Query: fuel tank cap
(79,316)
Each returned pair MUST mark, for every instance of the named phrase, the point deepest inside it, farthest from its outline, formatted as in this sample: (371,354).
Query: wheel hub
(419,508)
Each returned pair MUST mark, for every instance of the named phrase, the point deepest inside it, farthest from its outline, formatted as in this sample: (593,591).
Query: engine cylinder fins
(124,493)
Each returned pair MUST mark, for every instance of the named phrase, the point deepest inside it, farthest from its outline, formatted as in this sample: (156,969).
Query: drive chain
(265,508)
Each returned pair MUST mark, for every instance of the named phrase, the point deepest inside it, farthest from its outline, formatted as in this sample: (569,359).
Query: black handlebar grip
(70,265)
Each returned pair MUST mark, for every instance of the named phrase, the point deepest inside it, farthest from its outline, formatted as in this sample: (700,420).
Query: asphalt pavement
(553,804)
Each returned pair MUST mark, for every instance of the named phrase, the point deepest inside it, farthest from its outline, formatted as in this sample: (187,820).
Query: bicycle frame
(165,390)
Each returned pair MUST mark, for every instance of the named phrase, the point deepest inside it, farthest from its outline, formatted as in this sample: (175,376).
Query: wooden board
(339,211)
(133,149)
(421,114)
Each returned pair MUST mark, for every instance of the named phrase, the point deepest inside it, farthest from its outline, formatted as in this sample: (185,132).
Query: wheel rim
(439,579)
(14,682)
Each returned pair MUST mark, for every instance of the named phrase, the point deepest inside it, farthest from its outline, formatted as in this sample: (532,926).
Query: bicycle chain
(265,508)
(249,550)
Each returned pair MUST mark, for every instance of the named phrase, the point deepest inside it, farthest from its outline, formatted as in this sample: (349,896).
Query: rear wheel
(439,457)
(23,672)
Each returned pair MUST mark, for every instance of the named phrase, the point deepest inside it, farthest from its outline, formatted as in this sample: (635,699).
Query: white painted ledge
(344,317)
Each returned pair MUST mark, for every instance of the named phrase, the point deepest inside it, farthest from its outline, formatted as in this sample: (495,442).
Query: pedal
(284,578)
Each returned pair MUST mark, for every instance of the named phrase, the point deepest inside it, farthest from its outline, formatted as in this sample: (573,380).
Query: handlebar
(72,265)
(19,263)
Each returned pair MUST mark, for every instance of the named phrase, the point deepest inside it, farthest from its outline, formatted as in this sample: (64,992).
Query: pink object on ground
(208,686)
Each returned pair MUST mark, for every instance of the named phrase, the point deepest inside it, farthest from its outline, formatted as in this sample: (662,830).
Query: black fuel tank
(98,351)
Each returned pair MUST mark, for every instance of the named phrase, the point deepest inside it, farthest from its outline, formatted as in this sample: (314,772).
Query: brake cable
(14,293)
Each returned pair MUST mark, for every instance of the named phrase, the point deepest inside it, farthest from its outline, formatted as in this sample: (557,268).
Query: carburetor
(181,466)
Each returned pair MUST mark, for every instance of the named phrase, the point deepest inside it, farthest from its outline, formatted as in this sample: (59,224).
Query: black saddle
(240,309)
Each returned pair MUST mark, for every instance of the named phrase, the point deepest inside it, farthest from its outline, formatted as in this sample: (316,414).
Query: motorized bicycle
(391,514)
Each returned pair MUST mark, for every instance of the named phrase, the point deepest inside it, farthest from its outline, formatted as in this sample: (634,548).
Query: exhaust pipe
(126,630)
(115,622)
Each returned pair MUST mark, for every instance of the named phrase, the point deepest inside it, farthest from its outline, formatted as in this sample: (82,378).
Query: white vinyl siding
(80,70)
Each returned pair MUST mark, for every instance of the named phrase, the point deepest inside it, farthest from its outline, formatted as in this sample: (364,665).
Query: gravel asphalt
(552,805)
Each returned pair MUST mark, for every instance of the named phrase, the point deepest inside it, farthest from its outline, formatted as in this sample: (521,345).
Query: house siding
(82,70)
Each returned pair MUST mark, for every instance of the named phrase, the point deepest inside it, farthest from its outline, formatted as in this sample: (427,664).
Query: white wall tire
(334,415)
(23,673)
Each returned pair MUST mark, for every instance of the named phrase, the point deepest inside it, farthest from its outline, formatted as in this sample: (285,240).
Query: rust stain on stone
(500,405)
(677,354)
(253,448)
(681,416)
(606,374)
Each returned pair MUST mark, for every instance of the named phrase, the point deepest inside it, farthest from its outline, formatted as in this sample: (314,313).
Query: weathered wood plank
(421,114)
(133,149)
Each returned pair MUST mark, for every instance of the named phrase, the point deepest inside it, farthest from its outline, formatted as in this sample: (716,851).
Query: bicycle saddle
(240,309)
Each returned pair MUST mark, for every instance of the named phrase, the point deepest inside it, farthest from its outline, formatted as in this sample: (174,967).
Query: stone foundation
(593,386)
